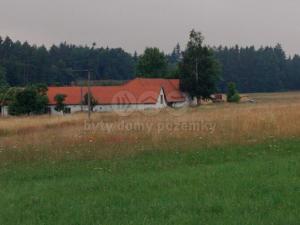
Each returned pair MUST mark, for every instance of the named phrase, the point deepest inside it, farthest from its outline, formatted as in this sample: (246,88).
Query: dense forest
(265,69)
(26,64)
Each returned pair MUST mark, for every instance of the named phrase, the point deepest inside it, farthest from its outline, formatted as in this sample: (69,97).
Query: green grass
(240,185)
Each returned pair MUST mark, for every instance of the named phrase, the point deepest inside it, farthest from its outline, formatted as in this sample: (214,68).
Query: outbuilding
(137,94)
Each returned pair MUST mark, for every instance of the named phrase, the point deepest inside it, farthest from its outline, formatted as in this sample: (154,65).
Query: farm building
(137,94)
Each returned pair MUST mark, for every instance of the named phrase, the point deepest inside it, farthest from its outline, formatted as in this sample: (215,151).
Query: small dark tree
(93,101)
(173,60)
(199,70)
(135,61)
(232,93)
(60,102)
(175,56)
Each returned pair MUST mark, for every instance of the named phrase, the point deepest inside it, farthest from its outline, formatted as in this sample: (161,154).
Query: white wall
(116,107)
(162,104)
(74,109)
(108,108)
(180,104)
(4,111)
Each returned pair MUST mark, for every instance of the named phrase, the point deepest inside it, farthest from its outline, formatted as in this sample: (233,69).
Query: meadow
(214,164)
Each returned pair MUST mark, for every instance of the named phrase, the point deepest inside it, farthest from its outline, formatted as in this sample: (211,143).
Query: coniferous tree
(28,64)
(175,56)
(264,69)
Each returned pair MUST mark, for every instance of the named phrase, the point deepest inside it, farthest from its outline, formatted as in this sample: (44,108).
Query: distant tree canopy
(199,70)
(173,62)
(265,69)
(153,63)
(3,81)
(25,64)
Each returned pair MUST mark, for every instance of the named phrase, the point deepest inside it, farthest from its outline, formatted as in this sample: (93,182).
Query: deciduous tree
(152,63)
(28,101)
(199,70)
(93,101)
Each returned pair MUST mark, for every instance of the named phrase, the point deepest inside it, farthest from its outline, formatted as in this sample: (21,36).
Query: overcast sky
(135,24)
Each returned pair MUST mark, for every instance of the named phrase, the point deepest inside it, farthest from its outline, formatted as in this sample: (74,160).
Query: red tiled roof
(137,91)
(73,94)
(170,87)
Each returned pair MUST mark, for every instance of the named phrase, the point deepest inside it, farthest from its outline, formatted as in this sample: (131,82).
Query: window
(67,110)
(161,99)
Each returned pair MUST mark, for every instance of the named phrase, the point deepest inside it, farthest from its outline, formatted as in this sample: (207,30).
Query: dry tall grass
(108,134)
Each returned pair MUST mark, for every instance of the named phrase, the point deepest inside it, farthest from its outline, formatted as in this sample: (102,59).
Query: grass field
(217,164)
(239,185)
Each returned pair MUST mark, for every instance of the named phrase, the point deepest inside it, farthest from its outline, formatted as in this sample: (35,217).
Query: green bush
(28,101)
(235,98)
(60,102)
(232,93)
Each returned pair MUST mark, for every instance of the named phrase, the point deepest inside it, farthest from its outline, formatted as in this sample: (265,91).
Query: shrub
(60,102)
(235,98)
(28,101)
(232,93)
(93,101)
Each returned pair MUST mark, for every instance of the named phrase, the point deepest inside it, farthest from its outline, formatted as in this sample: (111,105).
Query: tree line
(265,69)
(198,67)
(23,64)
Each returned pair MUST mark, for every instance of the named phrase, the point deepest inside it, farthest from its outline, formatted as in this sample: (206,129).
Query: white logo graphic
(123,103)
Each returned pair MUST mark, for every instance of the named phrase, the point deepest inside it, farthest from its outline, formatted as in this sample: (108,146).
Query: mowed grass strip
(257,184)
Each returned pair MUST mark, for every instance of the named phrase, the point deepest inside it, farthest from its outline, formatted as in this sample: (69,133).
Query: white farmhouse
(137,94)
